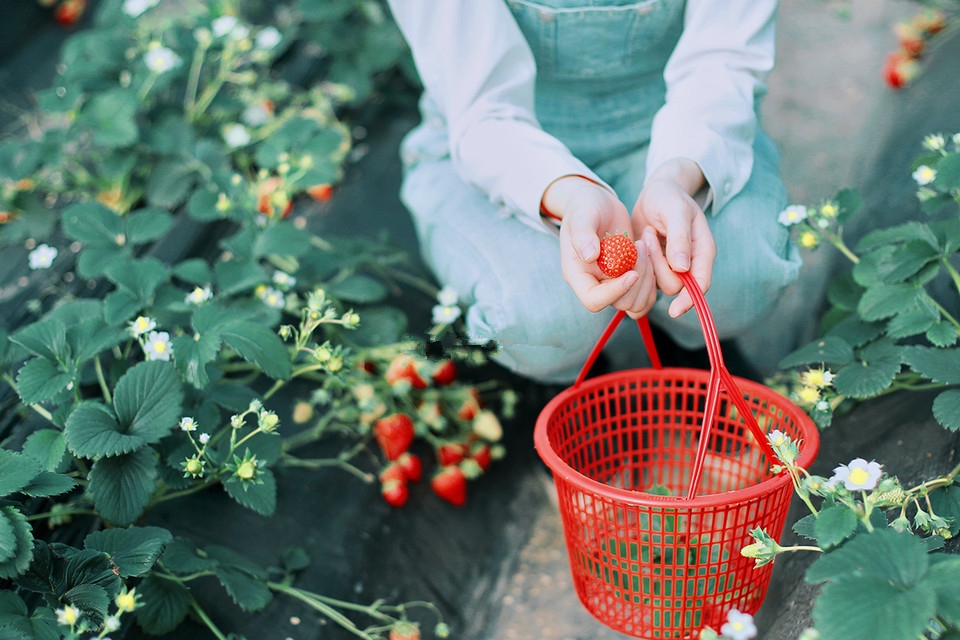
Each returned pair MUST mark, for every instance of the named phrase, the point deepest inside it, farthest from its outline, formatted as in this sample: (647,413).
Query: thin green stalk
(61,514)
(183,492)
(104,389)
(319,463)
(193,79)
(954,275)
(211,90)
(308,435)
(321,606)
(197,609)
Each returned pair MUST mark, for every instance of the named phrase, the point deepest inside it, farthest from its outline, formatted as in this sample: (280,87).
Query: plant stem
(183,492)
(323,606)
(102,380)
(319,463)
(60,514)
(308,435)
(193,79)
(197,609)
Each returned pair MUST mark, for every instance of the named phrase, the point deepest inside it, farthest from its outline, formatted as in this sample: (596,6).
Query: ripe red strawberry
(69,12)
(899,69)
(471,405)
(910,38)
(405,631)
(394,434)
(393,472)
(451,485)
(618,254)
(930,22)
(403,369)
(451,453)
(411,465)
(482,456)
(321,192)
(395,493)
(444,373)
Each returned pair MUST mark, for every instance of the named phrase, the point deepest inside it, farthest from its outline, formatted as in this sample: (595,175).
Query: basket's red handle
(719,375)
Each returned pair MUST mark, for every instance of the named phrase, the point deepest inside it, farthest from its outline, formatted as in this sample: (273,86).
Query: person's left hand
(674,230)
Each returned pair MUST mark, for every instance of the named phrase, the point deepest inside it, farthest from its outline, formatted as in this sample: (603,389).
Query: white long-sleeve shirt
(478,69)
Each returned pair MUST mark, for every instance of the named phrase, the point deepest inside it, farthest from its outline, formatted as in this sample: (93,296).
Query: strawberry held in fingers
(618,254)
(394,434)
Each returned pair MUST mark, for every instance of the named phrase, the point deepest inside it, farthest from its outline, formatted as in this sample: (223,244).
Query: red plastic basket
(665,566)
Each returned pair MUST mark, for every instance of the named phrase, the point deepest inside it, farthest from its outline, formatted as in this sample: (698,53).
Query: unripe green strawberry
(618,254)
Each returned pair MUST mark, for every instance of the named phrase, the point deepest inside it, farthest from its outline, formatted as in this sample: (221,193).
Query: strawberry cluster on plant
(914,36)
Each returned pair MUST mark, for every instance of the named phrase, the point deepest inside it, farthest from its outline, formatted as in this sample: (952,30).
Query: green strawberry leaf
(234,276)
(92,600)
(40,379)
(22,547)
(134,550)
(182,557)
(92,223)
(359,289)
(878,365)
(48,484)
(148,399)
(249,593)
(946,409)
(193,356)
(93,430)
(942,334)
(833,525)
(946,504)
(939,365)
(16,471)
(121,486)
(259,496)
(281,239)
(259,345)
(906,232)
(849,201)
(165,604)
(47,446)
(826,350)
(881,301)
(45,338)
(863,608)
(884,555)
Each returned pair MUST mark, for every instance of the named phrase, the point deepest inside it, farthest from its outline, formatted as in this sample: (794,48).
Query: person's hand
(588,211)
(674,230)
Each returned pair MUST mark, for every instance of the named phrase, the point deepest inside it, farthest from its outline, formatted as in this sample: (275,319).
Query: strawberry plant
(891,327)
(143,371)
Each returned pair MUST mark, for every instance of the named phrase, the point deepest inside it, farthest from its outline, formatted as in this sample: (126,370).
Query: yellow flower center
(859,476)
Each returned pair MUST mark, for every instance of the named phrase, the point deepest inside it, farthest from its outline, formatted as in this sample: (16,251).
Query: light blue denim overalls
(599,84)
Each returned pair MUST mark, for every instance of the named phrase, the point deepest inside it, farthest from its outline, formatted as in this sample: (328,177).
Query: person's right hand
(588,211)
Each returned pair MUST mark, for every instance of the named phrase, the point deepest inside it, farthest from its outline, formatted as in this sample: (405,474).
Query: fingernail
(629,279)
(642,251)
(588,251)
(681,262)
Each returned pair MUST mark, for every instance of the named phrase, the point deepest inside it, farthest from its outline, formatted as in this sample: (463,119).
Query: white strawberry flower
(42,257)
